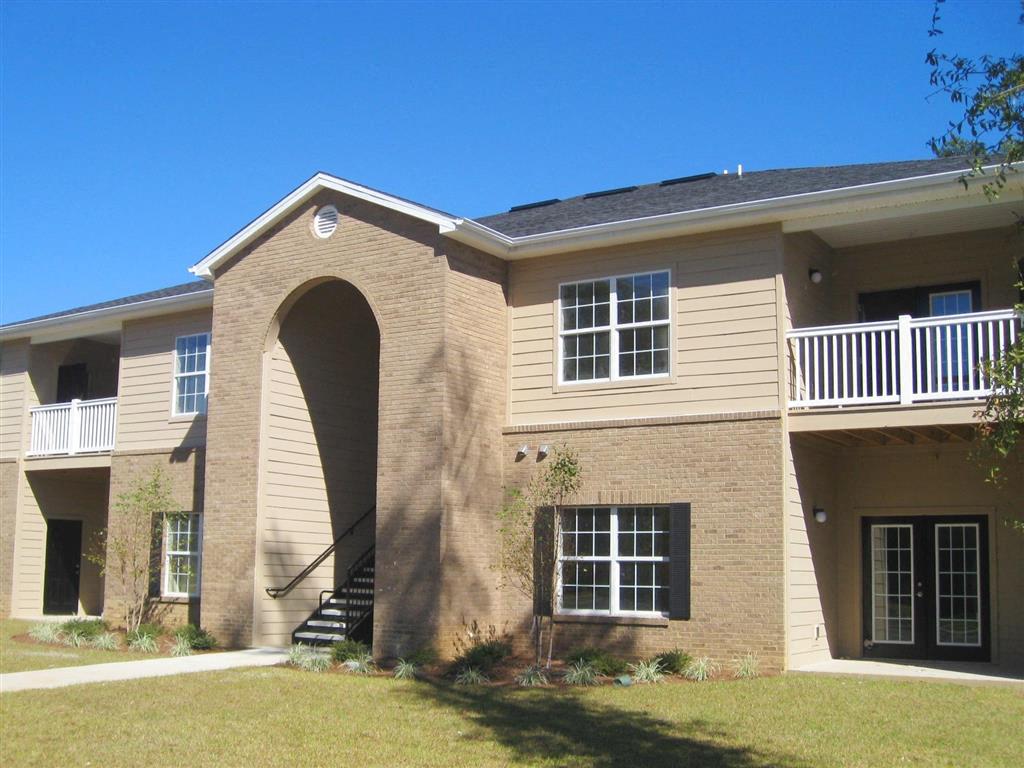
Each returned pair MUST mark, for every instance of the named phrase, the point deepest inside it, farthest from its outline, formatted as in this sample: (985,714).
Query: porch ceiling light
(814,275)
(820,515)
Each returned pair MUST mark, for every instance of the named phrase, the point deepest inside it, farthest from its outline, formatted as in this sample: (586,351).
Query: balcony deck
(72,429)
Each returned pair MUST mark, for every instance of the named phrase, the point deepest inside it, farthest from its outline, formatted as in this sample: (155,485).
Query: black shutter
(679,565)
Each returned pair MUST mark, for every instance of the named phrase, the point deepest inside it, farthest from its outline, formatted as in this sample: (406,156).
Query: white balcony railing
(909,360)
(81,426)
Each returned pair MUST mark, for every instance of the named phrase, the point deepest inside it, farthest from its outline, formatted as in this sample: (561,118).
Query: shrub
(580,673)
(151,630)
(471,676)
(604,663)
(701,669)
(142,643)
(423,657)
(79,632)
(406,670)
(647,671)
(361,665)
(674,662)
(46,632)
(106,642)
(198,639)
(531,677)
(308,658)
(484,656)
(181,647)
(746,666)
(347,649)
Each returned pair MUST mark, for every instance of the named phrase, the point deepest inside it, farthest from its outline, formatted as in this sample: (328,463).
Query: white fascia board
(320,181)
(106,319)
(864,197)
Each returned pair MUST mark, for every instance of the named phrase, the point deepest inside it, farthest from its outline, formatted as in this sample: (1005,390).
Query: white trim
(195,518)
(302,193)
(612,329)
(613,560)
(175,375)
(470,232)
(913,606)
(977,584)
(104,319)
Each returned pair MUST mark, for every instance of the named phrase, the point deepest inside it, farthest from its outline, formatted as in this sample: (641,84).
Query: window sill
(177,600)
(186,417)
(587,386)
(635,621)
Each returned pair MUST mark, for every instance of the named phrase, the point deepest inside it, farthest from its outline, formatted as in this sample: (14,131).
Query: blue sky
(134,138)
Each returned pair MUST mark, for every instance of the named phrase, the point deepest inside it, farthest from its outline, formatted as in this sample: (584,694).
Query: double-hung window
(615,328)
(182,537)
(614,560)
(191,374)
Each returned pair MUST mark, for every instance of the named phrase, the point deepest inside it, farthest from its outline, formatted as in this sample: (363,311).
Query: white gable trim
(320,181)
(866,198)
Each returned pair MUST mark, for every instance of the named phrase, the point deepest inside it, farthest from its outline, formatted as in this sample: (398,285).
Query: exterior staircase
(343,611)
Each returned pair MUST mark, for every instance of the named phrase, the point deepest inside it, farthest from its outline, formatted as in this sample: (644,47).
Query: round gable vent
(325,221)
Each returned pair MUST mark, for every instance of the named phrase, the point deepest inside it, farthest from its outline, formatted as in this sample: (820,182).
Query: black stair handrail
(276,592)
(358,565)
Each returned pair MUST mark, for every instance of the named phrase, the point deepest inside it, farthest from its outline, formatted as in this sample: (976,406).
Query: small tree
(124,550)
(529,540)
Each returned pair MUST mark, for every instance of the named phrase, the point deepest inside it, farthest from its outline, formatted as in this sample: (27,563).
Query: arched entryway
(318,463)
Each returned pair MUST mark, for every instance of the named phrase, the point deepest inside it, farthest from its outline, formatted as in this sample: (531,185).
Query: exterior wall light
(820,515)
(543,451)
(814,275)
(523,450)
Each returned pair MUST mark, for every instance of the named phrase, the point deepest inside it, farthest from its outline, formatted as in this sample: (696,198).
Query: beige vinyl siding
(14,360)
(988,256)
(144,420)
(723,323)
(67,497)
(810,562)
(319,452)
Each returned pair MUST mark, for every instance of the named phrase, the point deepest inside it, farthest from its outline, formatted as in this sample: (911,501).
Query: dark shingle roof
(706,192)
(162,293)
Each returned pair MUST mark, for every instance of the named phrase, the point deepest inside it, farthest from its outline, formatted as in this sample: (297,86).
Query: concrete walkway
(132,670)
(948,672)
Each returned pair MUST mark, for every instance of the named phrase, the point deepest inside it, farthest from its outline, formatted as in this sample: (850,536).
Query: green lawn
(280,716)
(22,655)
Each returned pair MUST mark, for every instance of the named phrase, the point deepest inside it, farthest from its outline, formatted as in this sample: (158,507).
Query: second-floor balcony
(67,429)
(905,361)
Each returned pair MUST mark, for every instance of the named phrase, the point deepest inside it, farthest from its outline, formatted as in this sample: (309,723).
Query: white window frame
(614,560)
(176,377)
(195,519)
(913,578)
(977,585)
(613,329)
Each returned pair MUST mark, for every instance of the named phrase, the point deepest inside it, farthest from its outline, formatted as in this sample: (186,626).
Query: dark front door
(72,382)
(926,588)
(63,564)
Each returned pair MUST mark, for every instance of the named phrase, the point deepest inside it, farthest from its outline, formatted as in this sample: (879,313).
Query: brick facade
(730,472)
(10,472)
(184,473)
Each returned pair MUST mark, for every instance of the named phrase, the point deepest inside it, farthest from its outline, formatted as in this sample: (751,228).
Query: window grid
(191,374)
(892,573)
(614,560)
(615,328)
(182,537)
(957,585)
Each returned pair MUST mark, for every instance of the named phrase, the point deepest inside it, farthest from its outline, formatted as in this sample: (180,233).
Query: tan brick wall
(730,472)
(9,471)
(476,356)
(394,262)
(184,472)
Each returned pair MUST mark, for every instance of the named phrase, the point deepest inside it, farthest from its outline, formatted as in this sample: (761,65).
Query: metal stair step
(321,636)
(325,623)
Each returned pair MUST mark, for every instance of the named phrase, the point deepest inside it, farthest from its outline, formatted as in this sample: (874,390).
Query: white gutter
(105,319)
(881,194)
